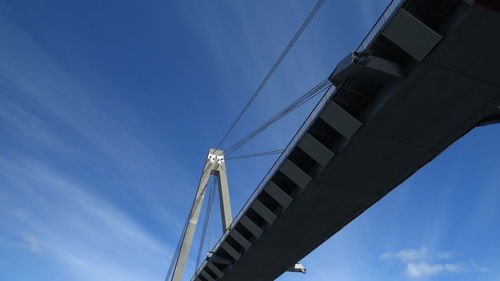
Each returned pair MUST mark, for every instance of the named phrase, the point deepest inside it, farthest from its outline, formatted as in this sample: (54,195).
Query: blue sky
(108,109)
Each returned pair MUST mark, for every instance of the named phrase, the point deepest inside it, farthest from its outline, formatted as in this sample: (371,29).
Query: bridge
(426,74)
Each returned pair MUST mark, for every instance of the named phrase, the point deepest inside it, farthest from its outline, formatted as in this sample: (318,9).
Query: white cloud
(32,243)
(423,269)
(68,222)
(422,263)
(90,237)
(26,242)
(444,255)
(20,214)
(407,255)
(30,72)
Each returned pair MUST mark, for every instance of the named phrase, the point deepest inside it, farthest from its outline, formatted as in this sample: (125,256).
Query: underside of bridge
(429,76)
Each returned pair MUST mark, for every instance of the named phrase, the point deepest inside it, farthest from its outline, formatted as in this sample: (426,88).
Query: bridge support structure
(214,165)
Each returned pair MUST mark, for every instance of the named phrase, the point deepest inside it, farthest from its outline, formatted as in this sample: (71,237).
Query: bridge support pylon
(214,165)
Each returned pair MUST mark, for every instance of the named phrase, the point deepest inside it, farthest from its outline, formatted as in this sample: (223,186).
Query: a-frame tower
(214,165)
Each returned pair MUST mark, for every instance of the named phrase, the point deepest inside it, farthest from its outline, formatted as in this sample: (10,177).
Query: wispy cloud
(407,255)
(424,269)
(32,243)
(49,110)
(19,214)
(422,263)
(60,215)
(444,255)
(68,224)
(27,242)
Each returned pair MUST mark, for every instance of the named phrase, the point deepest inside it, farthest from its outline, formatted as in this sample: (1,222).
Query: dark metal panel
(215,270)
(278,194)
(411,35)
(320,153)
(217,259)
(230,250)
(263,211)
(251,226)
(492,4)
(240,239)
(207,276)
(366,68)
(491,119)
(294,173)
(341,120)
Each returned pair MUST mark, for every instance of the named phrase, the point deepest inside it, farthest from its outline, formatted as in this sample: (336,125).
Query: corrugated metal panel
(263,211)
(230,250)
(278,194)
(411,35)
(207,276)
(215,270)
(251,226)
(295,174)
(341,120)
(240,239)
(315,149)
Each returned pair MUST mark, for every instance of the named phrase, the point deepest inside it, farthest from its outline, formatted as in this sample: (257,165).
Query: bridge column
(214,165)
(225,203)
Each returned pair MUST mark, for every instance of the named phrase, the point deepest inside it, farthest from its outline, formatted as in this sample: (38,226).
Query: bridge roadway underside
(439,100)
